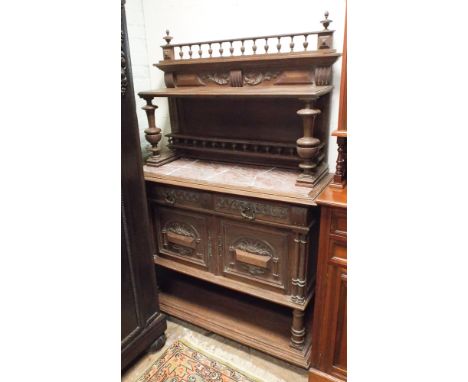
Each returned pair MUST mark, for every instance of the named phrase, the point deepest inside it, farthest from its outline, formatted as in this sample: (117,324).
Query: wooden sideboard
(232,200)
(329,345)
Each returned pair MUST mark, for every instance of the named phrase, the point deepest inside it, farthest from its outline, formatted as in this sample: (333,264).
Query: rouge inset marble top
(258,179)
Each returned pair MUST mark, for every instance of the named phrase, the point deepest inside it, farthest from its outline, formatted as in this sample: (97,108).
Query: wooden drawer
(254,254)
(177,196)
(338,252)
(183,236)
(338,225)
(260,210)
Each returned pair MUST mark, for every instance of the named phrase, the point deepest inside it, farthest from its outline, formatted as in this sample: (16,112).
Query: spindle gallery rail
(251,148)
(185,51)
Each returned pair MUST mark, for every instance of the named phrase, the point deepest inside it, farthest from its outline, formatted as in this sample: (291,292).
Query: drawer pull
(248,213)
(252,259)
(170,198)
(186,241)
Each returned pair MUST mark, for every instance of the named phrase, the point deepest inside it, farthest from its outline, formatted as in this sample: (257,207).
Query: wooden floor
(264,367)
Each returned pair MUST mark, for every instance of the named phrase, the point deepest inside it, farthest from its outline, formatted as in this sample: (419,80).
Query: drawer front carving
(175,196)
(183,236)
(252,210)
(254,254)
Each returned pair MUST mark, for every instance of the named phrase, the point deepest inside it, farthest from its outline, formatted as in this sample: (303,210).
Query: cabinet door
(329,354)
(335,312)
(254,254)
(183,236)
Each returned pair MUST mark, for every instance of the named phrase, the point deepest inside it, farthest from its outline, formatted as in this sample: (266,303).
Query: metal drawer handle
(248,213)
(170,198)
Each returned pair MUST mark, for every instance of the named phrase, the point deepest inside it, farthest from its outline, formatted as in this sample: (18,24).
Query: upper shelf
(284,91)
(290,65)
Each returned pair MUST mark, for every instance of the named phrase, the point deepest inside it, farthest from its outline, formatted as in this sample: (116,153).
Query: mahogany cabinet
(142,323)
(329,354)
(329,349)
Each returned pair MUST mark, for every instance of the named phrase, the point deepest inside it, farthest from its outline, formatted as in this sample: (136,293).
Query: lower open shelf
(253,322)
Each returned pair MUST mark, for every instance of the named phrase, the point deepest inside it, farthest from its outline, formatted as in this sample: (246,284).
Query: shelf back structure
(261,100)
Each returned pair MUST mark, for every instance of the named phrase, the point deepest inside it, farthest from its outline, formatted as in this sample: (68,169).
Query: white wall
(141,64)
(198,20)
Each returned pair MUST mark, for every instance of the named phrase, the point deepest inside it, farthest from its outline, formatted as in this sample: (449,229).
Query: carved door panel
(183,236)
(252,253)
(335,356)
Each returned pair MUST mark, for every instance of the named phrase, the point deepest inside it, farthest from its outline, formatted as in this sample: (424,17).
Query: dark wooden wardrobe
(142,322)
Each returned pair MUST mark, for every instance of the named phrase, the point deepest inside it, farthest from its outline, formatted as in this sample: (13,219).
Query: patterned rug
(182,362)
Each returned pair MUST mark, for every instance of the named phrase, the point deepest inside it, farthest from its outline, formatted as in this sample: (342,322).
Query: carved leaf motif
(258,208)
(254,246)
(179,195)
(219,78)
(182,250)
(252,269)
(255,78)
(181,229)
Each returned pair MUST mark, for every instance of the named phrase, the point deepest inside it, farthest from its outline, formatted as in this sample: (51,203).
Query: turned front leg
(298,329)
(308,146)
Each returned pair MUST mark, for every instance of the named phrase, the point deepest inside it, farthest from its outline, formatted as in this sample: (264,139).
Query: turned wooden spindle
(231,48)
(278,46)
(291,44)
(305,44)
(254,46)
(298,329)
(308,145)
(242,47)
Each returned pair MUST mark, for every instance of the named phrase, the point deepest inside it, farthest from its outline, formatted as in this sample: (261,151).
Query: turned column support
(152,133)
(308,147)
(153,136)
(298,329)
(299,281)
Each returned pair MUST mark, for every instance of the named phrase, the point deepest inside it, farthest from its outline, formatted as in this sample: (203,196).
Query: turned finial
(326,22)
(167,37)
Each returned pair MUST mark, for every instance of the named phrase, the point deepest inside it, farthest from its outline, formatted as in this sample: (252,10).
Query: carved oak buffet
(233,199)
